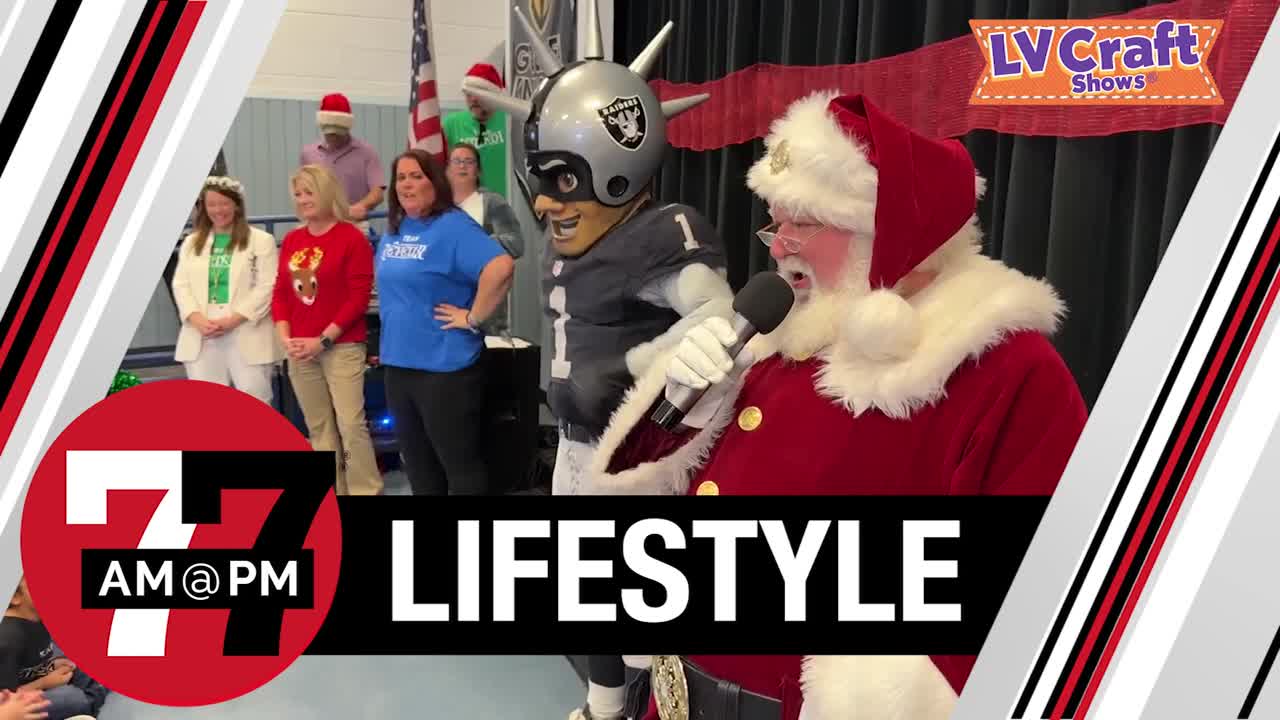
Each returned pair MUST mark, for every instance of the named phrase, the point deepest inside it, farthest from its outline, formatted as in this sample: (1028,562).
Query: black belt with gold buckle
(683,691)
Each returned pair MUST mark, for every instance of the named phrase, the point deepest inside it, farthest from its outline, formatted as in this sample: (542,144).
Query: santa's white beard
(816,319)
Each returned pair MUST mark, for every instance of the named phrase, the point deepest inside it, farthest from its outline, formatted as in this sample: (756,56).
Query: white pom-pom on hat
(882,326)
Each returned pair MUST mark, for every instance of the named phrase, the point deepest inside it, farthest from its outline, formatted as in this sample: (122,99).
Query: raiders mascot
(624,277)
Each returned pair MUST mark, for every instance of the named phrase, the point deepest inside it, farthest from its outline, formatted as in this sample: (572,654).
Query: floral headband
(221,182)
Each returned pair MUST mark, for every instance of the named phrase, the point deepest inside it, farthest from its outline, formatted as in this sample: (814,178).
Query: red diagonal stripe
(13,403)
(1203,446)
(87,239)
(1165,475)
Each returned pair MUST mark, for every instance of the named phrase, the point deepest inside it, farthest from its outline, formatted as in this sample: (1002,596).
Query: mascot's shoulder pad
(664,213)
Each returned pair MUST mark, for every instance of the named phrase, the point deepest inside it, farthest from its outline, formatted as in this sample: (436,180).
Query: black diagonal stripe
(1261,678)
(92,190)
(33,77)
(1178,478)
(1108,516)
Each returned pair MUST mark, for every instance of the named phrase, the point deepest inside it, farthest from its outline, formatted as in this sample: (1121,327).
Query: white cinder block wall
(363,46)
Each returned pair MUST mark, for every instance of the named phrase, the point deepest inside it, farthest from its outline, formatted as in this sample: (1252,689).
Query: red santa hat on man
(841,161)
(485,77)
(335,112)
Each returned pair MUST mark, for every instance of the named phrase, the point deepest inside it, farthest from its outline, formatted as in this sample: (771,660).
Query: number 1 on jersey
(689,242)
(560,361)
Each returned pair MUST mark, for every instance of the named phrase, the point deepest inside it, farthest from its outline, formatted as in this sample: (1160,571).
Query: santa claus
(909,364)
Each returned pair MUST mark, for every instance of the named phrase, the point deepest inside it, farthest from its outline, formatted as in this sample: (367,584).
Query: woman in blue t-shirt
(439,275)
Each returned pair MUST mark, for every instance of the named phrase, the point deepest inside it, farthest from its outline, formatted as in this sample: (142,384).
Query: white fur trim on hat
(813,169)
(896,360)
(340,119)
(475,82)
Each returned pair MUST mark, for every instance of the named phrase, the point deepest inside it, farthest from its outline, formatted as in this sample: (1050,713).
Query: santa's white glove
(702,362)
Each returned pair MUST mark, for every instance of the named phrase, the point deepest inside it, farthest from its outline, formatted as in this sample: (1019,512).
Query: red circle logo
(182,543)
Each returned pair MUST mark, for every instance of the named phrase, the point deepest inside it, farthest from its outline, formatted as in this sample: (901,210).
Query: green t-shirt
(220,270)
(461,127)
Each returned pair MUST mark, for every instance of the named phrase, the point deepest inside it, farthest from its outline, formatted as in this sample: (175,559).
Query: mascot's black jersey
(592,304)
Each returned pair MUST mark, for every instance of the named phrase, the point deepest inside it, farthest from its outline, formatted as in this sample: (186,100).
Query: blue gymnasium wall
(261,149)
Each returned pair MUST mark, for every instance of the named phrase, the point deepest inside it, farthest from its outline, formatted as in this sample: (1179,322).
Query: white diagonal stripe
(1148,464)
(53,115)
(1157,624)
(49,125)
(10,22)
(67,364)
(1240,442)
(198,108)
(1140,371)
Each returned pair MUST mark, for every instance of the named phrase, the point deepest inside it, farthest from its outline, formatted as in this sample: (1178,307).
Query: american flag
(425,131)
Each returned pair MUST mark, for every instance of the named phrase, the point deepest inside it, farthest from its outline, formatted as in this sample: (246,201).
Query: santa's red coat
(984,406)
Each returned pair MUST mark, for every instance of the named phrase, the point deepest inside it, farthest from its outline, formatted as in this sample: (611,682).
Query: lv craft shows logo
(1129,62)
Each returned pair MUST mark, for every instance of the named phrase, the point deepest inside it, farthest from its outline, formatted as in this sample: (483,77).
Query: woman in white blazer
(223,284)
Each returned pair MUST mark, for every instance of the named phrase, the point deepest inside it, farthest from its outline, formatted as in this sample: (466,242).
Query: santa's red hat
(485,77)
(335,110)
(841,161)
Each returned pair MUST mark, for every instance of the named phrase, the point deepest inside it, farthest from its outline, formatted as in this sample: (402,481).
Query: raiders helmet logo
(625,120)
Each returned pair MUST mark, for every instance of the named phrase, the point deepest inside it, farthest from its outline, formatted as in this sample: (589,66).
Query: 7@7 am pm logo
(1100,62)
(180,565)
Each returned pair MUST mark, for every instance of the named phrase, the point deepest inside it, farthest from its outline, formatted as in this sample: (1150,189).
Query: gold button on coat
(750,418)
(708,488)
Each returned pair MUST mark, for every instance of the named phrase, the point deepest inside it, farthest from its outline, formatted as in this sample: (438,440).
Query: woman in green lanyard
(222,286)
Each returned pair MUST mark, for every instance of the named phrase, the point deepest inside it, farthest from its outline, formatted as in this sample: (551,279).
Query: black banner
(889,575)
(196,579)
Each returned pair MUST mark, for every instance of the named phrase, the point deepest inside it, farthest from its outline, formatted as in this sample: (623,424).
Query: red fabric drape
(929,88)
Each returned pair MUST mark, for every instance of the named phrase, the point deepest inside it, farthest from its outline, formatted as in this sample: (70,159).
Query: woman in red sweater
(321,295)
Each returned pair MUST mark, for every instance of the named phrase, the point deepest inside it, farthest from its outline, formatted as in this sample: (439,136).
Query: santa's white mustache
(793,269)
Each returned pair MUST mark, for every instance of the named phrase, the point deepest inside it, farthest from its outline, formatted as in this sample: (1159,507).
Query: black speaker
(511,400)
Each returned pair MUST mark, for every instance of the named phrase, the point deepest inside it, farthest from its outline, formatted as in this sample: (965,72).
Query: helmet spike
(672,108)
(546,59)
(499,101)
(644,62)
(594,47)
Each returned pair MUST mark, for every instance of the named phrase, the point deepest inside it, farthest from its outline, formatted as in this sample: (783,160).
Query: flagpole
(426,129)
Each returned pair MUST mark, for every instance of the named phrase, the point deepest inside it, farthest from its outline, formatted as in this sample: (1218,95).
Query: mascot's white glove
(702,362)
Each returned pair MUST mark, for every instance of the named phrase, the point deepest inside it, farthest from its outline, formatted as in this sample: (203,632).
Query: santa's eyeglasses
(792,241)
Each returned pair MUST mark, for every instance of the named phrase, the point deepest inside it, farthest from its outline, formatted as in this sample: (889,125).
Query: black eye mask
(544,180)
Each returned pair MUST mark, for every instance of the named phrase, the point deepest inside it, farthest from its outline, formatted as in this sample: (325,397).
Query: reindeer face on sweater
(303,265)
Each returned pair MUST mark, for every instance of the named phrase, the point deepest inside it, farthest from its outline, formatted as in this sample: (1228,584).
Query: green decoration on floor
(124,379)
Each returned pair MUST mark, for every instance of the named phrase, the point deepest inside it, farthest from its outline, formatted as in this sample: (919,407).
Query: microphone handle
(681,399)
(745,331)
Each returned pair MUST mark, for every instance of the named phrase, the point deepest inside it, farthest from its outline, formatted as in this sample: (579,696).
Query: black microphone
(760,308)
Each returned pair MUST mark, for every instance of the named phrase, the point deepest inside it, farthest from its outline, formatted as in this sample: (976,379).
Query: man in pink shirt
(354,161)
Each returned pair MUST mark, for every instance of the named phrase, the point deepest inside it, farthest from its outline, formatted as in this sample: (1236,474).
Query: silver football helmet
(596,119)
